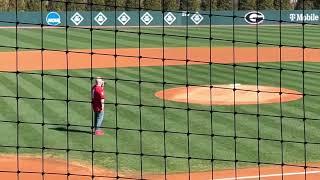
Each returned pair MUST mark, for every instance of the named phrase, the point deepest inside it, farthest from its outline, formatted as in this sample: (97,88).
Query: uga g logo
(254,17)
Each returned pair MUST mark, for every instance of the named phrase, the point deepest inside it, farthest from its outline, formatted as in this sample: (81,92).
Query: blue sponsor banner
(53,19)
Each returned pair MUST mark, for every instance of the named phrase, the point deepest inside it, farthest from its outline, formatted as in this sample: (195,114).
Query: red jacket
(97,95)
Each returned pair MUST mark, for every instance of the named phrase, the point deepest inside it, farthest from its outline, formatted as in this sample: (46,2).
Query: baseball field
(46,110)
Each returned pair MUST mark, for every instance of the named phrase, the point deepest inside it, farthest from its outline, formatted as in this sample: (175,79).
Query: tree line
(165,5)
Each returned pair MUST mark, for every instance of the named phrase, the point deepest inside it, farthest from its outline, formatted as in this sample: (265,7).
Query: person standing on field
(97,95)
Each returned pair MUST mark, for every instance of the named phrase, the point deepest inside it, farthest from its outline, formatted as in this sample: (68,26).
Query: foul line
(270,175)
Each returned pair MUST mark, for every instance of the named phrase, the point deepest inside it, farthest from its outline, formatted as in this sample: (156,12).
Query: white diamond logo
(124,18)
(197,18)
(100,18)
(169,18)
(147,18)
(77,18)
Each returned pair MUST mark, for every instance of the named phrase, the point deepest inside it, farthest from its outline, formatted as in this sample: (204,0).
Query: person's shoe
(99,133)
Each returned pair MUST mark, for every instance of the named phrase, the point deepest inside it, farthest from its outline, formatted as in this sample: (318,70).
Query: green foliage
(307,4)
(190,5)
(265,5)
(171,5)
(224,5)
(205,5)
(133,4)
(152,4)
(317,4)
(12,5)
(33,5)
(195,5)
(4,5)
(78,5)
(183,5)
(247,5)
(56,6)
(98,5)
(115,4)
(282,4)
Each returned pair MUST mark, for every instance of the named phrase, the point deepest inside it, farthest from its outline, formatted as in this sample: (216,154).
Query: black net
(193,89)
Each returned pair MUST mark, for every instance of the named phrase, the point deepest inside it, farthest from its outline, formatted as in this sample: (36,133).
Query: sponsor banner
(53,19)
(197,18)
(147,18)
(170,18)
(77,18)
(100,18)
(254,17)
(304,17)
(157,18)
(124,18)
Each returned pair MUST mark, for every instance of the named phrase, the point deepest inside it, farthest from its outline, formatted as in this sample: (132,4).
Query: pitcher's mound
(229,94)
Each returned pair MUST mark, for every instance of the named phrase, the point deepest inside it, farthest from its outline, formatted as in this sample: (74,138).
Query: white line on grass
(270,175)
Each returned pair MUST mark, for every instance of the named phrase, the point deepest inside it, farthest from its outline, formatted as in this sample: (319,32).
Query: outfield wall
(156,18)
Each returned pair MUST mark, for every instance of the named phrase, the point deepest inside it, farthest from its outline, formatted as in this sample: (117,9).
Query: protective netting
(194,89)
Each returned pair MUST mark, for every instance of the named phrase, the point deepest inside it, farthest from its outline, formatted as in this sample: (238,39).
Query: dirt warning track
(32,168)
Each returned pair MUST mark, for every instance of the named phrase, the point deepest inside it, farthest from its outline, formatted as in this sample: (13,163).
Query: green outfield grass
(152,37)
(124,118)
(153,119)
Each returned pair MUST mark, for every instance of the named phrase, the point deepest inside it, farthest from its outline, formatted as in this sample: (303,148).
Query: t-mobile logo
(292,17)
(304,17)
